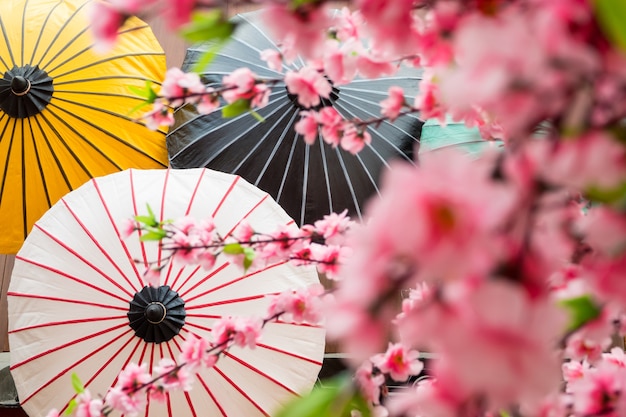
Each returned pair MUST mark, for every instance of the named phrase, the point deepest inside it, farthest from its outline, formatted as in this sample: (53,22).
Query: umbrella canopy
(308,181)
(75,291)
(65,108)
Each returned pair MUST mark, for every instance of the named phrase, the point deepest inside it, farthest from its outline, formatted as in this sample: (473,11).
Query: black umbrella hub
(25,91)
(156,314)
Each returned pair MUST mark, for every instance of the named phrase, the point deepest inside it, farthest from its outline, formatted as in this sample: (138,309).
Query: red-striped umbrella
(75,277)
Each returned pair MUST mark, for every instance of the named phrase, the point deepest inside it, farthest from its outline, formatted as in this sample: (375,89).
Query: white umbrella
(75,277)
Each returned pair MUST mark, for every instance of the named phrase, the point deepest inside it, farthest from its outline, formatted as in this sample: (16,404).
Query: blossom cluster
(509,266)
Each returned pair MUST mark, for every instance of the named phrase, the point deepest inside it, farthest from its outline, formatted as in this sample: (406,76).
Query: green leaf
(236,108)
(157,234)
(257,116)
(581,311)
(71,406)
(233,249)
(147,220)
(77,384)
(614,196)
(611,15)
(337,398)
(146,93)
(207,56)
(249,256)
(208,26)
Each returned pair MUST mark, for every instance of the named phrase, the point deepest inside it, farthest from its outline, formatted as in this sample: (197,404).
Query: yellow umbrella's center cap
(20,86)
(25,91)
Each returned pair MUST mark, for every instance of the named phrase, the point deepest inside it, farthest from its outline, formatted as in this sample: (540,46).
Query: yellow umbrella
(65,107)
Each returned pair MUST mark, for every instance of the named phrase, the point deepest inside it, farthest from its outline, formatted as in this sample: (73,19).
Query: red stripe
(258,371)
(126,251)
(168,273)
(180,272)
(75,279)
(224,302)
(241,391)
(141,243)
(201,281)
(60,323)
(230,189)
(161,215)
(71,343)
(208,390)
(258,271)
(195,190)
(197,326)
(293,355)
(104,366)
(103,252)
(246,215)
(167,394)
(65,300)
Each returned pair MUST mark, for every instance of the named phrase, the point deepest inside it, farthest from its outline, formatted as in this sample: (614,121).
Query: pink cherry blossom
(307,126)
(333,227)
(86,406)
(195,353)
(399,362)
(354,140)
(273,58)
(242,84)
(332,125)
(152,276)
(173,378)
(309,85)
(298,306)
(128,227)
(225,330)
(126,395)
(302,32)
(180,87)
(160,115)
(370,384)
(106,20)
(600,392)
(391,106)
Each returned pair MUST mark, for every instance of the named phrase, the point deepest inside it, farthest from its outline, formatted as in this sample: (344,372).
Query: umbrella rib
(201,281)
(241,391)
(41,30)
(208,391)
(102,251)
(262,140)
(349,182)
(66,145)
(293,355)
(105,365)
(162,213)
(96,63)
(305,181)
(226,284)
(260,372)
(6,39)
(60,323)
(287,165)
(326,173)
(39,165)
(8,155)
(123,77)
(280,140)
(71,277)
(55,157)
(67,344)
(224,302)
(99,128)
(23,168)
(124,247)
(226,194)
(245,216)
(69,368)
(65,300)
(136,213)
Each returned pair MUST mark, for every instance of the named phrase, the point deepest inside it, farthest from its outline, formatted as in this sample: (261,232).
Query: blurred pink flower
(308,84)
(399,362)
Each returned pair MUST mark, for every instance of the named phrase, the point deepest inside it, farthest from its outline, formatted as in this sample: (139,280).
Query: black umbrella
(308,181)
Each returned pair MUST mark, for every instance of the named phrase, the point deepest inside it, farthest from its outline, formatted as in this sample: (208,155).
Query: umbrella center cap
(156,314)
(25,91)
(20,86)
